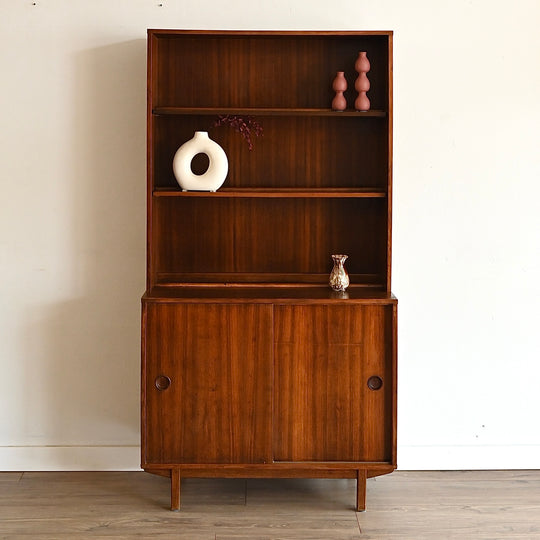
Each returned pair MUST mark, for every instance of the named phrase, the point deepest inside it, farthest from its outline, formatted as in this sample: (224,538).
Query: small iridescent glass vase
(339,279)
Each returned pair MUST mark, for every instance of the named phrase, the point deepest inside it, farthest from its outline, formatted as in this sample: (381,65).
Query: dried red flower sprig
(247,126)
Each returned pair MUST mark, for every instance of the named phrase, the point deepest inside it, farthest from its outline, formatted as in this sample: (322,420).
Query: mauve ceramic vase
(362,62)
(339,103)
(362,84)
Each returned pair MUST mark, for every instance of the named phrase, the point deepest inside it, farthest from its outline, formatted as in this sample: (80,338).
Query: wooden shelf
(263,280)
(277,193)
(264,111)
(296,293)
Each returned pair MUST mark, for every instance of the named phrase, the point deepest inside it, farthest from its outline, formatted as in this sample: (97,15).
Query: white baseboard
(70,458)
(477,457)
(127,458)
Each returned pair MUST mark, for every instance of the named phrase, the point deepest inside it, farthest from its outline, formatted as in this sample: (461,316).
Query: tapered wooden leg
(175,489)
(361,490)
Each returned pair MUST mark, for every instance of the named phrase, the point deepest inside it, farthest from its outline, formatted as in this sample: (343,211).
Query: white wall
(466,221)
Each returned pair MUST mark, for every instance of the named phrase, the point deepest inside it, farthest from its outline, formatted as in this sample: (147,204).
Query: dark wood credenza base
(272,471)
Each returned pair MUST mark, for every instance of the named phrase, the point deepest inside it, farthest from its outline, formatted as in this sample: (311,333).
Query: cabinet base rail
(282,470)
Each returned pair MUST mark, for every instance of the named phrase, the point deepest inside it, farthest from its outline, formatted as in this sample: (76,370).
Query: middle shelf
(315,155)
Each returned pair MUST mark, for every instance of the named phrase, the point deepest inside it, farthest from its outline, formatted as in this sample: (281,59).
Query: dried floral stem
(247,126)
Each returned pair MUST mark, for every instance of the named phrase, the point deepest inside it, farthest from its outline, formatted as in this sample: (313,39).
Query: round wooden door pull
(162,382)
(375,383)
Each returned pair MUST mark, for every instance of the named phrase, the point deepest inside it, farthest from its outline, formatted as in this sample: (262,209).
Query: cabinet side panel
(217,407)
(150,158)
(390,162)
(143,385)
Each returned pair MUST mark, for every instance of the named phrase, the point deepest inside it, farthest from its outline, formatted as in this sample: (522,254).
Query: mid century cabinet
(251,365)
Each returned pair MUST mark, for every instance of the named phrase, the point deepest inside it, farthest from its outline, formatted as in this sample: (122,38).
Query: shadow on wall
(86,350)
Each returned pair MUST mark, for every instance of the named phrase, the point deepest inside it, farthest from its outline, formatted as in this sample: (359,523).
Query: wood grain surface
(495,505)
(324,409)
(262,387)
(219,403)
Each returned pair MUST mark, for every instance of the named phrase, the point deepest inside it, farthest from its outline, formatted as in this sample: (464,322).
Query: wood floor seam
(494,505)
(358,521)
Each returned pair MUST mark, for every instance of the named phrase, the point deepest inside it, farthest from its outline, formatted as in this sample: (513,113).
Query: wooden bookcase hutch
(251,365)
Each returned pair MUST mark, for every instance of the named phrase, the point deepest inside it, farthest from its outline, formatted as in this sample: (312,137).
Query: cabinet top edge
(254,295)
(162,32)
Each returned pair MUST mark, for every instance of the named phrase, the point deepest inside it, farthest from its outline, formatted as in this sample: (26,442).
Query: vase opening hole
(200,163)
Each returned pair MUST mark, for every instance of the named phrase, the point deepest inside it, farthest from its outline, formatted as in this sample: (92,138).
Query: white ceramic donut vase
(217,170)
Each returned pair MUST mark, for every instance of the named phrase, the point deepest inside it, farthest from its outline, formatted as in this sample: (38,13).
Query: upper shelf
(264,111)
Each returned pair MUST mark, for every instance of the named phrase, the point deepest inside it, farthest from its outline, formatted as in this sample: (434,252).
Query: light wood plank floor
(403,505)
